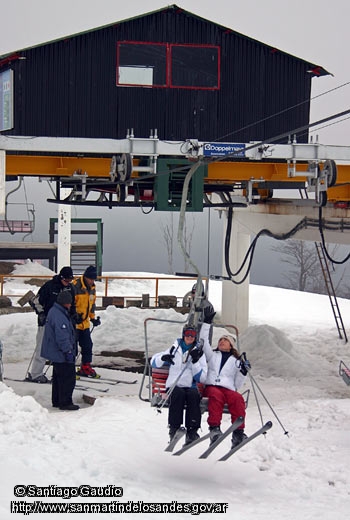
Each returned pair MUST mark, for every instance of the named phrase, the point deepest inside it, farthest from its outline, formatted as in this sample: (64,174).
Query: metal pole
(269,405)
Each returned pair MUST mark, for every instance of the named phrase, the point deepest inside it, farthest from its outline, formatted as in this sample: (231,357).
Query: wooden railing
(153,290)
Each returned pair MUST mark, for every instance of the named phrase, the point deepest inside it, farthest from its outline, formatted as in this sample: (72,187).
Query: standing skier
(187,367)
(85,301)
(59,346)
(42,303)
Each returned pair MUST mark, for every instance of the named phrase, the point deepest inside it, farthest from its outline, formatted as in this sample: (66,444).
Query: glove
(245,367)
(69,357)
(209,314)
(41,319)
(196,354)
(96,321)
(77,318)
(168,358)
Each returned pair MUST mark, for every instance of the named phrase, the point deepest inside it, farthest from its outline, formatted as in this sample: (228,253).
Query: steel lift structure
(107,172)
(148,172)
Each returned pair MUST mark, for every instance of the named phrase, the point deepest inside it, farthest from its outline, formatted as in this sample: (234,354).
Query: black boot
(215,433)
(172,431)
(191,435)
(237,437)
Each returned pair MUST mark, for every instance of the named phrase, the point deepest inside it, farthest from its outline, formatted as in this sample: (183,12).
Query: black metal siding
(68,88)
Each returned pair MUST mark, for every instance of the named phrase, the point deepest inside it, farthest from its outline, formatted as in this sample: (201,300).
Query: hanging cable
(195,313)
(320,227)
(250,252)
(6,203)
(30,214)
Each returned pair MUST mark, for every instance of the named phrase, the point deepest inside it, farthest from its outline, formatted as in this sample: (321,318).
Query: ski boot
(215,433)
(191,436)
(86,370)
(172,431)
(238,436)
(42,379)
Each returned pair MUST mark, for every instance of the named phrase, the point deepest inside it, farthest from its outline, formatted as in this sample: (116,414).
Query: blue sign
(6,100)
(222,149)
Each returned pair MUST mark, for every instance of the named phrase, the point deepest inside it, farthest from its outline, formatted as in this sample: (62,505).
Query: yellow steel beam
(243,171)
(218,172)
(341,191)
(51,166)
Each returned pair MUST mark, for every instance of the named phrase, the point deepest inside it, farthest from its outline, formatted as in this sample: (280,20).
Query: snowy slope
(294,349)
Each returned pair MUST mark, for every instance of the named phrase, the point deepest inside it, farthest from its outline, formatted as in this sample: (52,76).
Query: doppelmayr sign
(220,149)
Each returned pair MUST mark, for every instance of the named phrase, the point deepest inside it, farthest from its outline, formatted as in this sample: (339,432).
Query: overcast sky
(314,31)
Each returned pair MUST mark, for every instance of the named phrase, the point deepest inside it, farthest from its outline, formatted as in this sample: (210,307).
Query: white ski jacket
(192,372)
(230,375)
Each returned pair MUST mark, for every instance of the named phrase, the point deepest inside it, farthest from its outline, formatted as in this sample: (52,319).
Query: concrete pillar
(64,233)
(235,298)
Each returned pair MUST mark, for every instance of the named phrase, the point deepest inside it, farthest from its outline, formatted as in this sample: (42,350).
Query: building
(168,70)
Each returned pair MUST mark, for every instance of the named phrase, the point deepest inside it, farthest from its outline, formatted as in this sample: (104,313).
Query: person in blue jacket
(42,303)
(187,367)
(59,346)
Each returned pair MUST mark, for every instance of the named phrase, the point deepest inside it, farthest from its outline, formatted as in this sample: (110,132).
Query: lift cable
(282,112)
(259,144)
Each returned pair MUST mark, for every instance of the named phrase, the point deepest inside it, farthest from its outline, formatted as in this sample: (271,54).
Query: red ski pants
(218,397)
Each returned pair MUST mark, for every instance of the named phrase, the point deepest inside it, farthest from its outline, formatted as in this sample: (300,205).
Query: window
(142,64)
(193,66)
(168,65)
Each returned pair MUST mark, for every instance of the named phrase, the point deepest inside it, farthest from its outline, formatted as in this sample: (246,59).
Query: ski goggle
(190,333)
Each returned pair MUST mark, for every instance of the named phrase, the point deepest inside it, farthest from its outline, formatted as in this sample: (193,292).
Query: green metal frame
(169,183)
(98,232)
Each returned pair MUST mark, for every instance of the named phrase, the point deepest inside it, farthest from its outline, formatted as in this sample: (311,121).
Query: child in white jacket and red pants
(226,374)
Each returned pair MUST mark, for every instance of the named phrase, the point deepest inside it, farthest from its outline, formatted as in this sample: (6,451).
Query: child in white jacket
(226,374)
(187,367)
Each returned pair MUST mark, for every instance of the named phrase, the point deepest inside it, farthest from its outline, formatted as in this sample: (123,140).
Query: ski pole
(48,366)
(199,347)
(171,389)
(257,401)
(269,405)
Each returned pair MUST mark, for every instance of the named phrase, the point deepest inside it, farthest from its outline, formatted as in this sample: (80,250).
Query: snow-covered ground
(294,348)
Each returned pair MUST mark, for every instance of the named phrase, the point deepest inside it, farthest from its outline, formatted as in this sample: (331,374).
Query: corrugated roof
(315,70)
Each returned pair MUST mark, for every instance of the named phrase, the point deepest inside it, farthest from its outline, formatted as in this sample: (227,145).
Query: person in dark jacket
(59,346)
(42,303)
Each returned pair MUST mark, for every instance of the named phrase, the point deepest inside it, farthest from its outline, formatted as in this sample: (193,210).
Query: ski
(81,387)
(261,430)
(107,381)
(119,381)
(178,435)
(194,443)
(225,434)
(25,381)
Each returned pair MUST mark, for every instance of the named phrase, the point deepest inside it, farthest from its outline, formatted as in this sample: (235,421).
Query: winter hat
(91,272)
(230,339)
(64,297)
(67,273)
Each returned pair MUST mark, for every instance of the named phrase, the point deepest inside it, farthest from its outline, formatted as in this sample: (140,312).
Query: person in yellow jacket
(85,302)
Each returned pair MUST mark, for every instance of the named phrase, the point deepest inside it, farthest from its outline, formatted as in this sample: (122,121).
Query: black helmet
(188,330)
